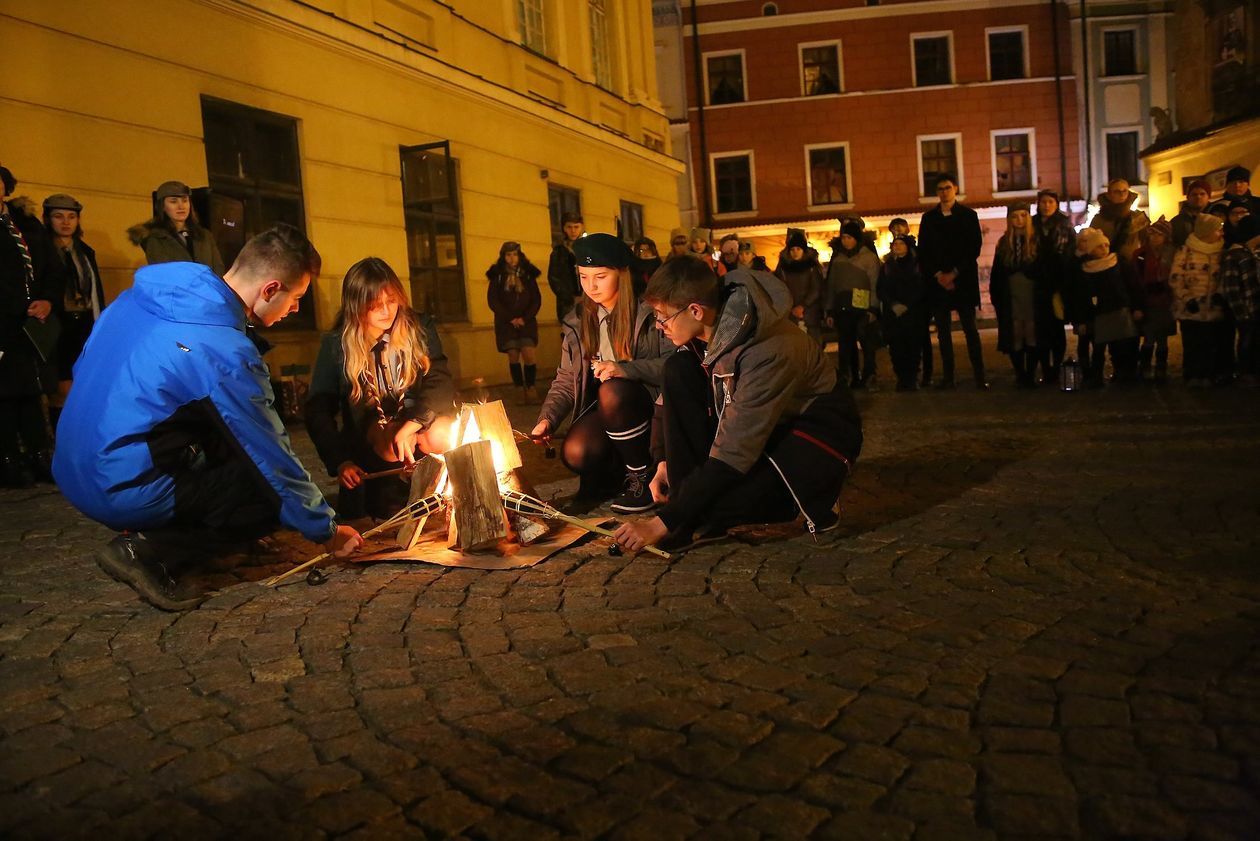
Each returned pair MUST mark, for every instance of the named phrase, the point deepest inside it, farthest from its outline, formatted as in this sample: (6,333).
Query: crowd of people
(693,388)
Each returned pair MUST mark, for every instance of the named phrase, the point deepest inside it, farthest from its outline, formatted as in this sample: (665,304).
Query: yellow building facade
(306,111)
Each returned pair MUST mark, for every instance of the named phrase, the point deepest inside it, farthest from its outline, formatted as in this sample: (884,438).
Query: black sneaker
(130,559)
(635,496)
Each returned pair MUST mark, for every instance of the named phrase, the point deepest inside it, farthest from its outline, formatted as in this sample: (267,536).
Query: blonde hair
(620,320)
(1028,234)
(363,285)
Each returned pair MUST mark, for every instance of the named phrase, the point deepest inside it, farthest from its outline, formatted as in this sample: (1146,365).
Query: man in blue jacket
(169,434)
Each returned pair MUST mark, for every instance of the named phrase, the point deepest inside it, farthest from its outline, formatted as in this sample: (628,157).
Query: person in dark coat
(1152,264)
(899,227)
(1238,189)
(645,263)
(175,234)
(904,296)
(801,271)
(851,303)
(514,299)
(83,297)
(1119,220)
(749,259)
(1198,198)
(562,267)
(1240,284)
(381,370)
(949,248)
(1104,307)
(1021,297)
(28,324)
(1056,250)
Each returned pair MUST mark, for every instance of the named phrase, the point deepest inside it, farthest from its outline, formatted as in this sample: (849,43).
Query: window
(431,212)
(1013,168)
(820,69)
(1122,156)
(255,181)
(770,10)
(724,77)
(733,183)
(601,59)
(1007,53)
(828,173)
(1119,52)
(529,18)
(938,155)
(631,221)
(933,59)
(561,200)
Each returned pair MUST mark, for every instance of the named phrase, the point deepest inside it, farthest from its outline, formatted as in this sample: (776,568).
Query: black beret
(603,250)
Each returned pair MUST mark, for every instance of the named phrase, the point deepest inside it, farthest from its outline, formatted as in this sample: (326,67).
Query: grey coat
(162,246)
(568,398)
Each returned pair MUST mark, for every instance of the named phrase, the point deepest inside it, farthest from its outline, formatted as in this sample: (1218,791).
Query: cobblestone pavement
(1039,620)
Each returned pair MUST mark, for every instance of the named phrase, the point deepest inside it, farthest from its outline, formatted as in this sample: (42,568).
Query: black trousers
(905,343)
(22,425)
(944,336)
(1207,349)
(760,495)
(1248,349)
(851,333)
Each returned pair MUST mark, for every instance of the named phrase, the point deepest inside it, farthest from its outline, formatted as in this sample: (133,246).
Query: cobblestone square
(1039,619)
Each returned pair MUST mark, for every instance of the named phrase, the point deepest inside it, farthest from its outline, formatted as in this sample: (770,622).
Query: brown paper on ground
(431,549)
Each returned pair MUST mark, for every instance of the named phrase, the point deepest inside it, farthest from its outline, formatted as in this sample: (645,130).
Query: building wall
(880,113)
(106,103)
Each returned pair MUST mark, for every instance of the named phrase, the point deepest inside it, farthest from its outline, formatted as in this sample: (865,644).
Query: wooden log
(424,481)
(528,528)
(478,520)
(494,426)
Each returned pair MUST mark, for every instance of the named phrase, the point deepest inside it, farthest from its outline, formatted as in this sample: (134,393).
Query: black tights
(22,425)
(612,436)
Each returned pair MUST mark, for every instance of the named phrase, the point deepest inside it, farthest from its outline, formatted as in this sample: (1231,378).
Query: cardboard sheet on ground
(431,549)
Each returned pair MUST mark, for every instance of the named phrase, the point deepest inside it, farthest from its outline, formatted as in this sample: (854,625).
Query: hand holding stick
(419,508)
(526,504)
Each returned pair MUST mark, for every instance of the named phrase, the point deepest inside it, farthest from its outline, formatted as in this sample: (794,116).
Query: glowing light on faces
(382,312)
(600,284)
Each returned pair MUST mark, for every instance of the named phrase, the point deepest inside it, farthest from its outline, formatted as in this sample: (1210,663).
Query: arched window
(770,9)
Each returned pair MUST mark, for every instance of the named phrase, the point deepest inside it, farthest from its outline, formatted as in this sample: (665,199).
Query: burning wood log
(477,521)
(424,482)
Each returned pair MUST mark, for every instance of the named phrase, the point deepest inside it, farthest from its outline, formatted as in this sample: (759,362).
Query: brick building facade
(805,110)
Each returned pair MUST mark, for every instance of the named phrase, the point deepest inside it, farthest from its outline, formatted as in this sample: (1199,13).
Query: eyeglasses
(661,322)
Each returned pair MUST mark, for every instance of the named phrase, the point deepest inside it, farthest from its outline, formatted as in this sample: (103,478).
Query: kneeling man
(169,434)
(755,429)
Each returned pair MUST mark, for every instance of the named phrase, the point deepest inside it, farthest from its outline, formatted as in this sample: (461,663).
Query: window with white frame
(820,69)
(724,77)
(827,170)
(601,57)
(939,154)
(1008,53)
(1120,52)
(1122,155)
(1014,169)
(733,190)
(933,58)
(529,18)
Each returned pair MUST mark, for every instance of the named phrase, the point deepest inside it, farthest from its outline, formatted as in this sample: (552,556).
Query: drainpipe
(1058,97)
(706,212)
(1089,139)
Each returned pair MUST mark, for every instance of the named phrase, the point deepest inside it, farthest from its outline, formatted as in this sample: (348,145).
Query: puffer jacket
(162,246)
(764,372)
(172,348)
(568,398)
(1121,224)
(804,280)
(1196,283)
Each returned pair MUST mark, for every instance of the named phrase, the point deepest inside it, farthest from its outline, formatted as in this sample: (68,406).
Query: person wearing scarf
(513,297)
(800,270)
(1103,306)
(1021,297)
(1117,219)
(904,295)
(1200,306)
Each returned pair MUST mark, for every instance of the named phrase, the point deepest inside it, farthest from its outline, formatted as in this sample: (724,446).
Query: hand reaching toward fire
(344,542)
(541,429)
(350,475)
(637,534)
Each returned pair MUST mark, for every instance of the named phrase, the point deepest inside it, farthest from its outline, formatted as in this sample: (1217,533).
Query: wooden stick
(420,508)
(526,504)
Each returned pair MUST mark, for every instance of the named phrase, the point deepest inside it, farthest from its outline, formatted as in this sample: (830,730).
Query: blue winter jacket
(176,338)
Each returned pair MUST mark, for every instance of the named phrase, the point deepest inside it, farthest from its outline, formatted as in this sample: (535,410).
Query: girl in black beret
(608,380)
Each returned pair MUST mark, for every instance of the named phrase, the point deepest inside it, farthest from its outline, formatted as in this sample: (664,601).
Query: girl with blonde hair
(608,380)
(1022,297)
(382,371)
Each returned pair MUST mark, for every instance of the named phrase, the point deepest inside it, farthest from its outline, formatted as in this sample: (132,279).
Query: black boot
(1017,362)
(130,558)
(635,495)
(41,467)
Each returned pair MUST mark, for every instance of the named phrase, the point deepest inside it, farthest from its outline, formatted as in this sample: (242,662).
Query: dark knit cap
(603,250)
(898,221)
(648,241)
(1199,184)
(853,229)
(1238,173)
(797,240)
(168,189)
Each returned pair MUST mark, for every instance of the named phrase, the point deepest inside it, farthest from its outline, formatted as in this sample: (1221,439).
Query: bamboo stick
(526,504)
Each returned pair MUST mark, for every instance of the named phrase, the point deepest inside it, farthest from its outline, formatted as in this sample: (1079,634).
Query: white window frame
(848,177)
(752,180)
(1138,70)
(800,64)
(1032,160)
(704,66)
(914,70)
(1022,29)
(955,136)
(521,17)
(1141,144)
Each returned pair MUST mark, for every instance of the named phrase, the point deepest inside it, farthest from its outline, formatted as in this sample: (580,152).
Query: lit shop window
(828,175)
(1012,161)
